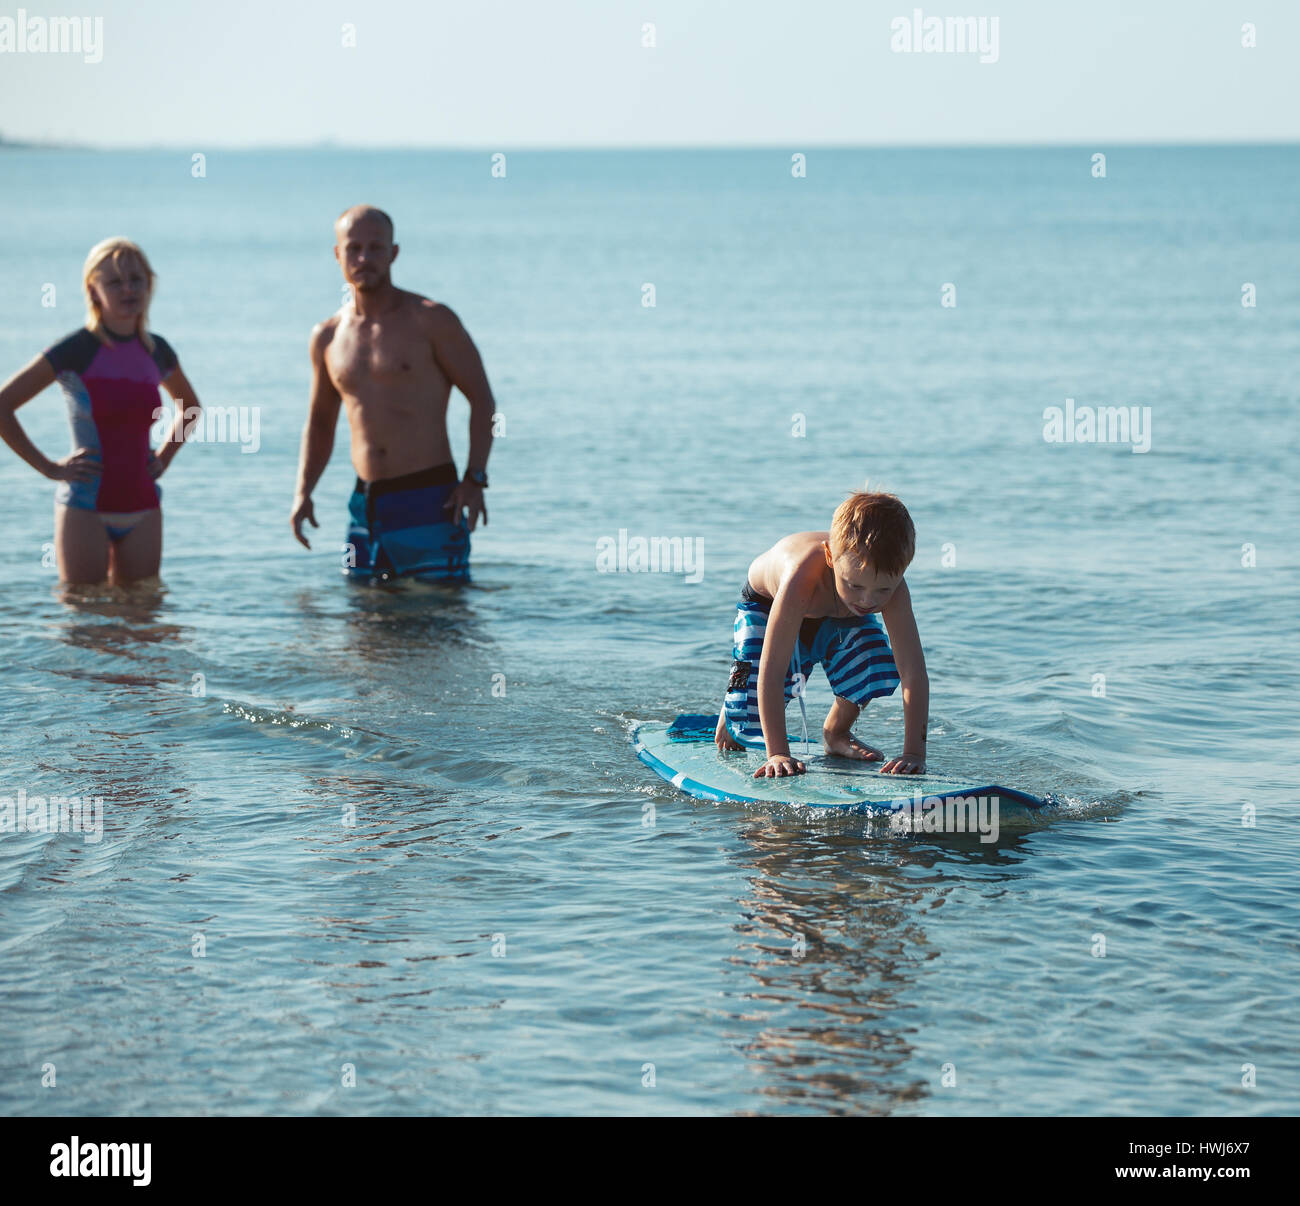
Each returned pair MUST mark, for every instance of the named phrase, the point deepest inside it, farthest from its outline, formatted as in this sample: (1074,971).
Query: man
(391,359)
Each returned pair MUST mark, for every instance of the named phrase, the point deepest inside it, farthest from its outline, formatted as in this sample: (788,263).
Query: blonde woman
(107,513)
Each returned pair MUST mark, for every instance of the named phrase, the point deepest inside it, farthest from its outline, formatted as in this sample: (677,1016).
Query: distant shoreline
(7,144)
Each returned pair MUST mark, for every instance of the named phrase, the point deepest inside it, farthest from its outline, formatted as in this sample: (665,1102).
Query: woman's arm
(188,409)
(20,389)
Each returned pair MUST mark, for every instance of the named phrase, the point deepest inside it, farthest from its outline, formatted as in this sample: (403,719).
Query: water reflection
(117,621)
(383,622)
(833,941)
(414,660)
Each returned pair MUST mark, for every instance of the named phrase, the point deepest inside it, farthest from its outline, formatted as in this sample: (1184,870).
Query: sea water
(374,850)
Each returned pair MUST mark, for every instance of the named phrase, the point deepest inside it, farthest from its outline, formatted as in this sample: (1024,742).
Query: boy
(813,597)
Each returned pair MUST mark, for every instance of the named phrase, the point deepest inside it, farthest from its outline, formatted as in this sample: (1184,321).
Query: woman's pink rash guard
(113,400)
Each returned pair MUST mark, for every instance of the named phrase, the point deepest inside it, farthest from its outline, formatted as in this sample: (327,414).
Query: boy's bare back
(798,560)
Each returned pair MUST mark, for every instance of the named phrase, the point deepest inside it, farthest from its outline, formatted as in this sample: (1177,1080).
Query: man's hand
(303,510)
(905,764)
(467,497)
(79,466)
(779,765)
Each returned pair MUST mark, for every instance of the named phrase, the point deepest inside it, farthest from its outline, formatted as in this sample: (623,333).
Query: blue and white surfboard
(683,753)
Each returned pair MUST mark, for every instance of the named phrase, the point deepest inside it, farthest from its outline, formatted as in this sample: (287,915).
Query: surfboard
(683,753)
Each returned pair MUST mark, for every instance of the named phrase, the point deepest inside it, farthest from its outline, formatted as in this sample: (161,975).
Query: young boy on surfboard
(815,597)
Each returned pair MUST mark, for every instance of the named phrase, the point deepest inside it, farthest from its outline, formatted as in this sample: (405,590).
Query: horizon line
(790,146)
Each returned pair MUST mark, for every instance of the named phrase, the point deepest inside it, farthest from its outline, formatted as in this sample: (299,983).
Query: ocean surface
(388,850)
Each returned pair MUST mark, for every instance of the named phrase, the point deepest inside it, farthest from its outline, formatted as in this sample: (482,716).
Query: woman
(107,517)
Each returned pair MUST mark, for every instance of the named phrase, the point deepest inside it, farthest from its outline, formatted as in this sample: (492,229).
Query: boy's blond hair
(876,528)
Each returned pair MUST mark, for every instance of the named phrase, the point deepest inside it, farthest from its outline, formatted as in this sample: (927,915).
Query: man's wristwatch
(478,477)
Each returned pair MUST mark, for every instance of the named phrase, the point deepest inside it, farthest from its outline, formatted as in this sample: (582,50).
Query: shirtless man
(391,358)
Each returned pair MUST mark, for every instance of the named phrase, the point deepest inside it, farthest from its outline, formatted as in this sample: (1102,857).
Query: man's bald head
(360,213)
(364,247)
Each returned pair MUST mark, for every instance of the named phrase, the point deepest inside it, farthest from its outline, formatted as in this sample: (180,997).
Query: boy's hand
(779,765)
(905,764)
(723,739)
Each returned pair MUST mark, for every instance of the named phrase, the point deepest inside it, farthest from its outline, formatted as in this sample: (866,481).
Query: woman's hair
(121,252)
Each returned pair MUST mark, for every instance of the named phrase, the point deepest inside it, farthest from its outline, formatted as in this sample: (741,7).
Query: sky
(509,74)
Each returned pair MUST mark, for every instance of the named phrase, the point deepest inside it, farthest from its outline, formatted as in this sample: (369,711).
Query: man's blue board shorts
(853,651)
(400,527)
